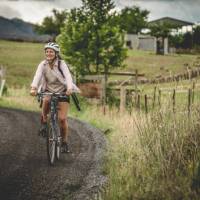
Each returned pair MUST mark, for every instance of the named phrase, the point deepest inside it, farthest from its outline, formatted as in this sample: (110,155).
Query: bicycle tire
(51,144)
(58,147)
(58,151)
(58,142)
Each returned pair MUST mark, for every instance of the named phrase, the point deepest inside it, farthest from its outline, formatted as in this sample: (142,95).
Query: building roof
(177,23)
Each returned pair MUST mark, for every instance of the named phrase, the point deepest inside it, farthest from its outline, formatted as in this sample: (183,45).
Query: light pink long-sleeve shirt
(39,81)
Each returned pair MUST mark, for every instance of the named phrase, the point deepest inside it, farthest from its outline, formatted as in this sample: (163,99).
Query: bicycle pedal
(42,133)
(65,148)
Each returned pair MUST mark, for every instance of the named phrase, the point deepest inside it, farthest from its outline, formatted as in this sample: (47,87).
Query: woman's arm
(38,75)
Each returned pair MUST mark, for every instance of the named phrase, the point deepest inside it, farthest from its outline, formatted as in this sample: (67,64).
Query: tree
(52,25)
(196,36)
(161,31)
(75,40)
(107,37)
(89,40)
(187,41)
(176,40)
(133,19)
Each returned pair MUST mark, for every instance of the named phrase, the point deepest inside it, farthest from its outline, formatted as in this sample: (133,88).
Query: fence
(172,96)
(2,80)
(148,101)
(103,82)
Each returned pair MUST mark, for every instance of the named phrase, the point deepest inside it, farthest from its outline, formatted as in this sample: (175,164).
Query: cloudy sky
(35,10)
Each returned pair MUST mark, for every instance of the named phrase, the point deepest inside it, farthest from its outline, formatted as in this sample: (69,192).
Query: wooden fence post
(154,97)
(159,98)
(189,74)
(136,86)
(136,79)
(122,99)
(2,80)
(189,101)
(174,99)
(146,103)
(138,101)
(193,87)
(2,84)
(103,94)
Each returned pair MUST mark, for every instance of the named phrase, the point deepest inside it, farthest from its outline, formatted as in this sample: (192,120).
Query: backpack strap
(60,70)
(74,97)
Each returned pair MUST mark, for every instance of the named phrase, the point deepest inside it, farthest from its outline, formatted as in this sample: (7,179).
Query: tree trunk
(97,52)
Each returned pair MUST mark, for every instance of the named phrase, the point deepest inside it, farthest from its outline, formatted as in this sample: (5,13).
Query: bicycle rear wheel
(51,144)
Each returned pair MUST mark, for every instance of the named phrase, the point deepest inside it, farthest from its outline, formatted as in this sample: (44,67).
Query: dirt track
(24,170)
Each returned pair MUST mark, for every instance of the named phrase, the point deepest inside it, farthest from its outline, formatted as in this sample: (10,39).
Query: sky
(35,10)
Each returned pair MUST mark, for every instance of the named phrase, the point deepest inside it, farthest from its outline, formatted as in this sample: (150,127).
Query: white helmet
(52,45)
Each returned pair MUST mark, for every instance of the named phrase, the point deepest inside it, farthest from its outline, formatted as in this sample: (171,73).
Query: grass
(153,157)
(150,157)
(152,65)
(20,60)
(19,98)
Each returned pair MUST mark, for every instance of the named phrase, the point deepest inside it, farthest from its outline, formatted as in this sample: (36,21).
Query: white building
(140,42)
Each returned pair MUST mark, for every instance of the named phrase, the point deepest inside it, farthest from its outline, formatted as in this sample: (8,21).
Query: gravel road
(25,173)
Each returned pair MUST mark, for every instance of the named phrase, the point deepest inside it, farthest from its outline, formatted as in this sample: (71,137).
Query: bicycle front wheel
(58,148)
(51,144)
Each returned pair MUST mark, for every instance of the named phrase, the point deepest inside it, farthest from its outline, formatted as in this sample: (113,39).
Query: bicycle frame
(54,136)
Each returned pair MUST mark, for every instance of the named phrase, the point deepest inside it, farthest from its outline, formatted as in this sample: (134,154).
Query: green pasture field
(154,65)
(21,59)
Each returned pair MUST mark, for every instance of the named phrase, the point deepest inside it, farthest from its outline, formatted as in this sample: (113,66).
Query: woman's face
(50,54)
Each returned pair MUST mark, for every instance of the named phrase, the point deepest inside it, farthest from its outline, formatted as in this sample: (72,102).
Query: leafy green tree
(89,40)
(187,41)
(161,31)
(52,24)
(196,36)
(133,19)
(176,40)
(75,40)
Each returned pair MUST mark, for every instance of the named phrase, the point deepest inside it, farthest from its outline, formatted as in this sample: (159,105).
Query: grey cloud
(9,12)
(67,3)
(180,9)
(26,0)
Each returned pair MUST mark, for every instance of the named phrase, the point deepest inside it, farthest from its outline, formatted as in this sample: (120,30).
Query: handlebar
(40,94)
(73,95)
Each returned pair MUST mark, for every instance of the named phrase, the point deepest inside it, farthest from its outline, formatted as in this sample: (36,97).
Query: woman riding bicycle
(53,75)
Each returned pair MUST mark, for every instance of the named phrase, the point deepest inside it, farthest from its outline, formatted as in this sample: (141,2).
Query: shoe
(65,148)
(43,130)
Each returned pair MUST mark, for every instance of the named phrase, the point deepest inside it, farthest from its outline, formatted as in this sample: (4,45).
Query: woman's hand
(33,92)
(69,92)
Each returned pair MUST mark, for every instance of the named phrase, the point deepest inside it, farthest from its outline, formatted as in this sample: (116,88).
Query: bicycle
(53,136)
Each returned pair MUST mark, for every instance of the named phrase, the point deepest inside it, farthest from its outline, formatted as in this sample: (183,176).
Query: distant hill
(17,29)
